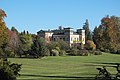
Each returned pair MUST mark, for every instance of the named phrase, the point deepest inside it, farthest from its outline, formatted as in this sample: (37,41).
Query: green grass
(64,68)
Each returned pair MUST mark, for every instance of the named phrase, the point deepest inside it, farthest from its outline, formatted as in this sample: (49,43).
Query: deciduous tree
(3,32)
(106,36)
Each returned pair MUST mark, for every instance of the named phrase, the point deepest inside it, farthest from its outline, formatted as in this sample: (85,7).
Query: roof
(44,31)
(68,28)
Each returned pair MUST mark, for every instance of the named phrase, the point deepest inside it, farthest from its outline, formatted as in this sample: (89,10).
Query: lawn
(64,67)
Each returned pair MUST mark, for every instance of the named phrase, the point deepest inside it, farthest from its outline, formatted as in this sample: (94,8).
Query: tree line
(8,70)
(105,37)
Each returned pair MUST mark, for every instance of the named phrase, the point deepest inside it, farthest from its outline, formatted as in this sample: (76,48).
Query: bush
(73,52)
(118,52)
(97,53)
(62,53)
(63,45)
(77,52)
(83,52)
(55,52)
(8,71)
(45,51)
(107,50)
(90,45)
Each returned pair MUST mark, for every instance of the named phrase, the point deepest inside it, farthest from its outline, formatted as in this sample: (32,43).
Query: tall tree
(38,48)
(3,32)
(88,35)
(116,20)
(25,43)
(14,29)
(13,42)
(106,36)
(8,71)
(97,37)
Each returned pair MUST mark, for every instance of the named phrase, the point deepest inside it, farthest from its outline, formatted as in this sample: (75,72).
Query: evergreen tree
(88,35)
(25,43)
(38,49)
(14,29)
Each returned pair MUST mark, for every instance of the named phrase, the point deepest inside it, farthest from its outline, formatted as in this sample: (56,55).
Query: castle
(66,34)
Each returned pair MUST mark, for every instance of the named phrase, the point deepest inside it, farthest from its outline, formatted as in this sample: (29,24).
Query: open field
(65,67)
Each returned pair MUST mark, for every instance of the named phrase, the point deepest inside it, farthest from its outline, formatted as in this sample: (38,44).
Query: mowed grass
(64,67)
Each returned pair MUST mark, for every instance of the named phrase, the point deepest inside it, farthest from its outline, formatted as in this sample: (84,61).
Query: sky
(34,15)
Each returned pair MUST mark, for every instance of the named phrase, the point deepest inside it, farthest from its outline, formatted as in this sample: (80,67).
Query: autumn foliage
(90,45)
(107,35)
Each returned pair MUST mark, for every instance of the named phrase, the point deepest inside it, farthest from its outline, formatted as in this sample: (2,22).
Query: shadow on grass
(57,77)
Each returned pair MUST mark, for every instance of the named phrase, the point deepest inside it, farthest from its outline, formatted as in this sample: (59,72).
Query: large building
(66,34)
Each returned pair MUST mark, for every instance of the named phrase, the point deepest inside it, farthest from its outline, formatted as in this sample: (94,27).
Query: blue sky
(34,15)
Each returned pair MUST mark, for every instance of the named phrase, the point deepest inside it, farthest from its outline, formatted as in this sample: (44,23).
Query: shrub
(47,52)
(83,52)
(9,71)
(97,53)
(80,52)
(77,52)
(107,50)
(73,52)
(55,52)
(90,45)
(62,53)
(63,45)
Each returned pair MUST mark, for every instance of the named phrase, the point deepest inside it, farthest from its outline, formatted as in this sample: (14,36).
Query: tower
(83,36)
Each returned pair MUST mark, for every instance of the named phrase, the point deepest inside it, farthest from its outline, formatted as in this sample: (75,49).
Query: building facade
(47,35)
(66,34)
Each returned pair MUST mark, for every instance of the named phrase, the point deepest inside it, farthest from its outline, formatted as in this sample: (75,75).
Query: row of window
(76,39)
(66,39)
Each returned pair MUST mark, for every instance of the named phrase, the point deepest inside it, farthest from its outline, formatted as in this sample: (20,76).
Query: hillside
(64,68)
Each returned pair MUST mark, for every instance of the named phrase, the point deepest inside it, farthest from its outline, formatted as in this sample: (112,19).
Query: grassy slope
(60,68)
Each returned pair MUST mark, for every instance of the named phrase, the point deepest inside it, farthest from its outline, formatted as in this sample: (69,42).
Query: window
(83,39)
(63,39)
(75,39)
(67,39)
(54,39)
(71,39)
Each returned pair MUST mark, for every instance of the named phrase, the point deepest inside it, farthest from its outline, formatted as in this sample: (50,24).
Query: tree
(14,29)
(106,36)
(25,44)
(3,33)
(38,49)
(9,71)
(53,45)
(90,45)
(88,35)
(63,45)
(97,38)
(116,21)
(13,41)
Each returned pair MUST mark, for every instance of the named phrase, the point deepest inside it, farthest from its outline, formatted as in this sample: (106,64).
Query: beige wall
(74,39)
(69,38)
(48,36)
